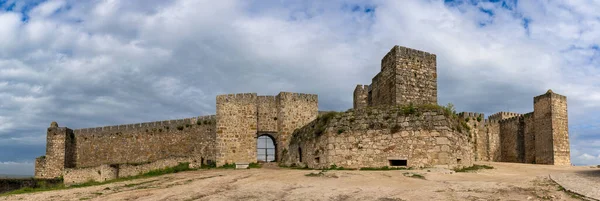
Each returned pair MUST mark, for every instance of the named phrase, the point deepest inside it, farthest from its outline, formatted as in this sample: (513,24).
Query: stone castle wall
(138,143)
(244,117)
(295,110)
(107,172)
(372,137)
(511,140)
(529,137)
(236,128)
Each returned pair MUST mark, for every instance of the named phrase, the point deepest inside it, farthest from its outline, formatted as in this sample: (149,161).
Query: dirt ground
(507,181)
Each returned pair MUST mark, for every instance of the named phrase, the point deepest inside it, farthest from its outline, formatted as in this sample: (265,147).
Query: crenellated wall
(143,142)
(512,146)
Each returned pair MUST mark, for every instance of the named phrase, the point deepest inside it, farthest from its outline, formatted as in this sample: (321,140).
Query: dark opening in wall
(300,154)
(317,160)
(458,160)
(398,162)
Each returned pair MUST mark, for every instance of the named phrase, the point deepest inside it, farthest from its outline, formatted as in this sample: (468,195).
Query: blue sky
(95,63)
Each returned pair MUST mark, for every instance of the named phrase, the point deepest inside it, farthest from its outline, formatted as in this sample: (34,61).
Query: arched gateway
(266,148)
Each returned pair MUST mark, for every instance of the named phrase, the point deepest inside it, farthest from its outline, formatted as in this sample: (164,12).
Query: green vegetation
(467,119)
(188,125)
(479,119)
(228,166)
(322,122)
(384,168)
(179,168)
(407,110)
(340,131)
(180,127)
(254,165)
(472,168)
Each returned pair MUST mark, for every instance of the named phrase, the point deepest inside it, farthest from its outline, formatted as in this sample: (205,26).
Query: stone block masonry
(407,76)
(382,136)
(244,117)
(539,137)
(127,144)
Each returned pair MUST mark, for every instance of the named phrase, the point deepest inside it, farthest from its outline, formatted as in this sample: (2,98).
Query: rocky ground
(507,181)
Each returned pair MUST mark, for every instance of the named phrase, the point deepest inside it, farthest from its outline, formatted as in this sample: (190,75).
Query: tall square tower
(407,76)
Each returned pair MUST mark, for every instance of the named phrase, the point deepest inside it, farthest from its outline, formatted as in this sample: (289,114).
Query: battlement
(511,119)
(470,114)
(145,125)
(502,115)
(490,121)
(240,97)
(263,99)
(400,52)
(360,87)
(298,96)
(549,94)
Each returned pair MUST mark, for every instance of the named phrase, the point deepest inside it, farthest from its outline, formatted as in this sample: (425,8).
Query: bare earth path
(507,181)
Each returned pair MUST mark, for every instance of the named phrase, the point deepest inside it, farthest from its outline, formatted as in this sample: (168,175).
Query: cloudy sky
(104,62)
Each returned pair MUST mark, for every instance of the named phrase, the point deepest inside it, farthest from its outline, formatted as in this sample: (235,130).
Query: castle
(395,121)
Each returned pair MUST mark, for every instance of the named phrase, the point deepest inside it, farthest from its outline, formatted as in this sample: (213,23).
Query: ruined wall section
(146,142)
(492,128)
(512,140)
(529,137)
(373,137)
(236,128)
(415,76)
(294,111)
(267,113)
(477,133)
(383,85)
(361,94)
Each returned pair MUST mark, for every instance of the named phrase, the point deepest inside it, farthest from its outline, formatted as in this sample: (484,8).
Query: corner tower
(551,129)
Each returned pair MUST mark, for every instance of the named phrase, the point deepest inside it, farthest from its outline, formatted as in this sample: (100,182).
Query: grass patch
(472,168)
(179,168)
(340,131)
(384,168)
(335,167)
(254,165)
(312,174)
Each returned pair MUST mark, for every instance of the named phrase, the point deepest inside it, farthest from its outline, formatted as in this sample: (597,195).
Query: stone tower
(59,152)
(407,76)
(551,129)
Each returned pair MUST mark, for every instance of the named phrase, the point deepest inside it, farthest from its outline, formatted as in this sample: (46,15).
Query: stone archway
(266,148)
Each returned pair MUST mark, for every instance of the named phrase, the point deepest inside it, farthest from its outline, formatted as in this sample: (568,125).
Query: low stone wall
(7,185)
(108,172)
(126,170)
(81,175)
(376,137)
